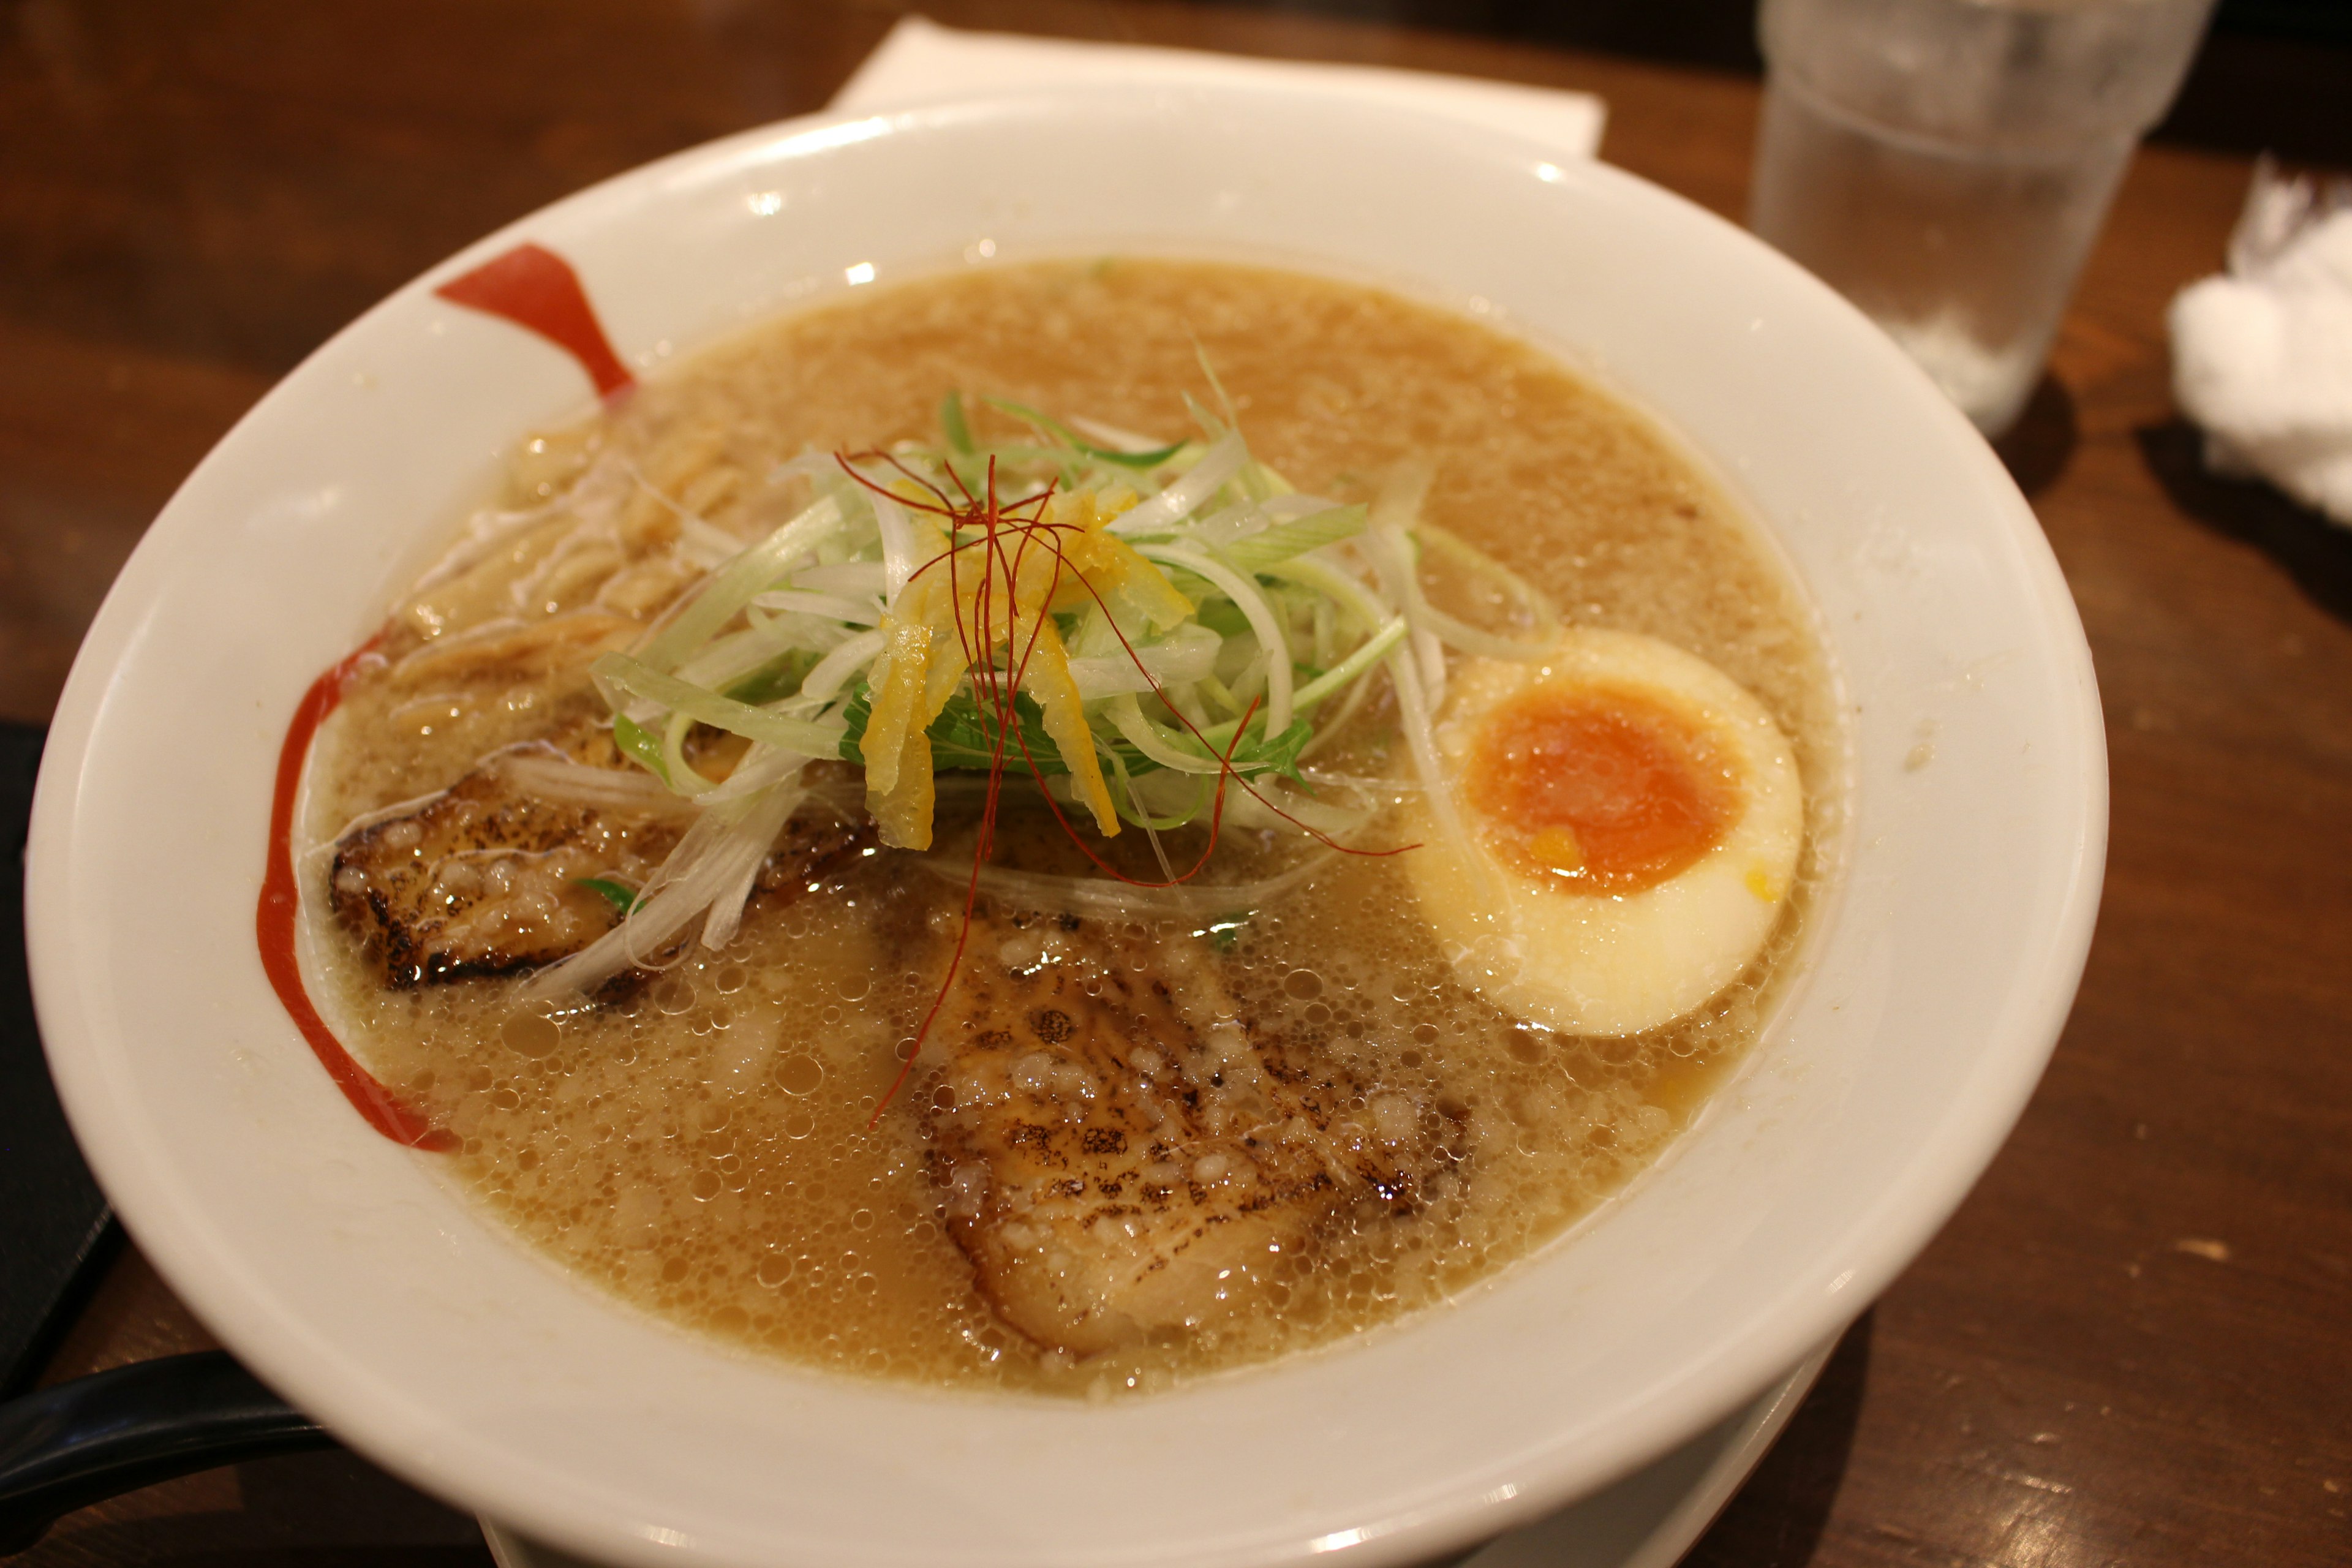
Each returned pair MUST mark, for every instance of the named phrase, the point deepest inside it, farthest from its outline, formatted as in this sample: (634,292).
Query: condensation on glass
(1946,164)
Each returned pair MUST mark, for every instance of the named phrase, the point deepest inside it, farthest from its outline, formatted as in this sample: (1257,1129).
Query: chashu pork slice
(1122,1152)
(484,878)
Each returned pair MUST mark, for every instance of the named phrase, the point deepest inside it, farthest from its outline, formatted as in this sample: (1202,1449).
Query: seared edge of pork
(484,878)
(1119,1150)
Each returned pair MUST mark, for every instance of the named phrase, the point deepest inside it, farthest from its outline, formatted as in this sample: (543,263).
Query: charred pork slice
(1120,1152)
(486,876)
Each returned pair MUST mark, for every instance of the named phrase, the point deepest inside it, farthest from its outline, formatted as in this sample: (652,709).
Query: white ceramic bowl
(366,1288)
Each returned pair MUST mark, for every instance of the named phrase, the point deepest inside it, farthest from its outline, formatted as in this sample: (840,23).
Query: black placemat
(53,1222)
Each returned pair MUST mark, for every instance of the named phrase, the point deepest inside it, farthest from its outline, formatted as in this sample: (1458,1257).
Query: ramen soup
(1064,827)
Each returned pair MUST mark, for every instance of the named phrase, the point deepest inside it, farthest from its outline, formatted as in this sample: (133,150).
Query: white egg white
(1590,962)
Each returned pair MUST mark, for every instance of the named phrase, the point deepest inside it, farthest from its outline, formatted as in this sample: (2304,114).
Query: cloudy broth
(701,1143)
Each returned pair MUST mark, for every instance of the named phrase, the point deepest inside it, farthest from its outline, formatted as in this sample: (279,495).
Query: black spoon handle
(64,1447)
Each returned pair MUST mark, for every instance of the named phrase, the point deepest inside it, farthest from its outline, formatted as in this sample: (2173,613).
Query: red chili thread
(280,907)
(536,288)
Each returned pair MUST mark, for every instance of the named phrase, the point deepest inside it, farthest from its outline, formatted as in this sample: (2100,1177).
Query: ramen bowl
(356,1278)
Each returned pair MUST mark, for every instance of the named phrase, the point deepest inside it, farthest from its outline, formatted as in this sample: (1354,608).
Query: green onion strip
(704,706)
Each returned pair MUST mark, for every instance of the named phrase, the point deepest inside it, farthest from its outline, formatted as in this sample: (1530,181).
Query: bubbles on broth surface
(701,1144)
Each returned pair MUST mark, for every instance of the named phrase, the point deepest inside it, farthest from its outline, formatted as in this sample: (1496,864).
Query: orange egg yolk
(1602,789)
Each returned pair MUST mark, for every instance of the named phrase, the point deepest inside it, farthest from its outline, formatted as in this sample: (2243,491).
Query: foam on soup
(701,1144)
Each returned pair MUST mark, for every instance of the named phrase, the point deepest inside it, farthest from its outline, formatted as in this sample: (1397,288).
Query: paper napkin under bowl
(921,59)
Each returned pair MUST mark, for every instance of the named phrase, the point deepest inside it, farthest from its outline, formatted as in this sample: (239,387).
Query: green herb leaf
(1278,755)
(963,736)
(1150,459)
(1060,432)
(953,424)
(1217,613)
(641,745)
(780,677)
(620,897)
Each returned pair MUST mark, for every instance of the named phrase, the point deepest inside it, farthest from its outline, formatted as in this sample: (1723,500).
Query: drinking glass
(1947,164)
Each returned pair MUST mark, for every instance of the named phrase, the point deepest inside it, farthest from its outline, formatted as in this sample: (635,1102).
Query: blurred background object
(1963,241)
(2262,356)
(54,1225)
(1946,164)
(2271,77)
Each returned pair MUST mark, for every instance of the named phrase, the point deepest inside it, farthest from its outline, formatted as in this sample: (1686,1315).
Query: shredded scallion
(1133,617)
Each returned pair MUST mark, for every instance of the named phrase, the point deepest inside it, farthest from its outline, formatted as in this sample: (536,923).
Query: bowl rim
(1887,1234)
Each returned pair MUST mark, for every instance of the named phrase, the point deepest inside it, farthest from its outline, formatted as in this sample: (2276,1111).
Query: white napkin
(2262,356)
(921,60)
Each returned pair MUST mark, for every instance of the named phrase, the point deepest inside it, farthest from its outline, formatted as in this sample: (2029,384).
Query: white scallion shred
(835,670)
(1250,600)
(1219,463)
(848,612)
(718,857)
(1105,898)
(1183,657)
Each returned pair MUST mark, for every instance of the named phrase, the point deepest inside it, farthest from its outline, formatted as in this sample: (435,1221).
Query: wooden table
(2129,1347)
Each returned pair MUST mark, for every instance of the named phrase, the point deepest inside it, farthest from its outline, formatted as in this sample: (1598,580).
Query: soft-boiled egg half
(1628,820)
